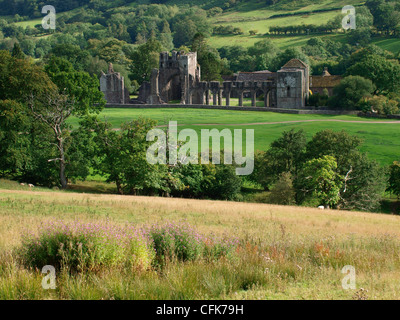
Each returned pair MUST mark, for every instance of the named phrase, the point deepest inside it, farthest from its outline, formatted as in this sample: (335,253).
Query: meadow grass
(29,23)
(284,252)
(390,44)
(262,26)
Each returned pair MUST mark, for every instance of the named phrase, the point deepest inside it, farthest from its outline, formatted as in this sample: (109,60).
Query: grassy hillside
(284,252)
(381,140)
(256,15)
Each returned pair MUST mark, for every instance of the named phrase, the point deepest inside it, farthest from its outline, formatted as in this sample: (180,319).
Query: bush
(262,197)
(381,105)
(180,241)
(350,92)
(282,191)
(79,247)
(216,247)
(86,247)
(176,241)
(318,100)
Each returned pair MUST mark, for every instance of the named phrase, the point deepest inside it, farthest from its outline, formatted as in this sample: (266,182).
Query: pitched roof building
(325,81)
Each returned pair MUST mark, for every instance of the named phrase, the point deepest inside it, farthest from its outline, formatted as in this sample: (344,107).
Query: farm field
(284,252)
(381,140)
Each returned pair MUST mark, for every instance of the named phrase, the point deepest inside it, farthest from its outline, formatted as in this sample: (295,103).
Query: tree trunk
(119,187)
(63,178)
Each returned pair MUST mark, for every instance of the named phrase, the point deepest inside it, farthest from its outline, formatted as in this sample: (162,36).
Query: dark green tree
(384,74)
(319,178)
(122,157)
(363,180)
(77,94)
(348,94)
(286,154)
(283,192)
(394,179)
(208,58)
(17,51)
(144,59)
(338,144)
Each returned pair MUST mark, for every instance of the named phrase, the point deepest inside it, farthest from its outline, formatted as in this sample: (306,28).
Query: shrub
(176,241)
(217,247)
(318,100)
(394,179)
(261,197)
(381,105)
(282,191)
(81,247)
(350,91)
(182,242)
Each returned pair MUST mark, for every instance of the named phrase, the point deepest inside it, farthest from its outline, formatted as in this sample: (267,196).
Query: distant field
(30,23)
(381,141)
(282,42)
(263,25)
(391,44)
(259,19)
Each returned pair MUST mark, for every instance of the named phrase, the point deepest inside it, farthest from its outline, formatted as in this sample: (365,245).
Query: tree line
(38,145)
(328,170)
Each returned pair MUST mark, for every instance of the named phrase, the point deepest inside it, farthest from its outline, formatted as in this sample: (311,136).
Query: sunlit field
(283,252)
(381,140)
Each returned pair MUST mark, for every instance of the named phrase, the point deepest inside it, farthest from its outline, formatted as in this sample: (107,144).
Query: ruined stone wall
(176,74)
(113,86)
(290,89)
(178,78)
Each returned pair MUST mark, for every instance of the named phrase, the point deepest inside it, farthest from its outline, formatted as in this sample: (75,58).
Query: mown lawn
(381,140)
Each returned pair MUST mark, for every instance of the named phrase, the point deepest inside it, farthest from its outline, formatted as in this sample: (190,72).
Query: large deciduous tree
(208,58)
(286,154)
(144,59)
(384,74)
(350,91)
(23,140)
(319,178)
(122,157)
(77,94)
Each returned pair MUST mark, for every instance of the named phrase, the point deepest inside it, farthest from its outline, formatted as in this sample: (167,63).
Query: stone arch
(170,87)
(267,98)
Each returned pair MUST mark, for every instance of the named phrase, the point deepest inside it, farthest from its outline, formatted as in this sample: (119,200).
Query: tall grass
(281,252)
(86,247)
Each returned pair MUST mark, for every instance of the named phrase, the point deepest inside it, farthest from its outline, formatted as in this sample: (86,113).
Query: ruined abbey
(178,78)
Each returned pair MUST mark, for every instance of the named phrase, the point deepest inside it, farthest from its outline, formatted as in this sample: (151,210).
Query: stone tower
(292,85)
(177,73)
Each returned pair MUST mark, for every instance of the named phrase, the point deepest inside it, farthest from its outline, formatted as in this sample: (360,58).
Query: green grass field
(30,23)
(381,140)
(391,44)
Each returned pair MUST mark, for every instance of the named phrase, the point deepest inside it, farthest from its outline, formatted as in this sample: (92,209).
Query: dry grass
(287,252)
